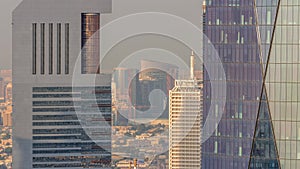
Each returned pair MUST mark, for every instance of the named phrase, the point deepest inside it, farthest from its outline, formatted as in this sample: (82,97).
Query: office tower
(155,75)
(258,43)
(185,119)
(2,84)
(8,92)
(125,81)
(127,84)
(7,117)
(56,124)
(2,88)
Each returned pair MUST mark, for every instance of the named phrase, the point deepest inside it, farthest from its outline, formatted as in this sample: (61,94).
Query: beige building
(8,92)
(2,84)
(6,117)
(185,119)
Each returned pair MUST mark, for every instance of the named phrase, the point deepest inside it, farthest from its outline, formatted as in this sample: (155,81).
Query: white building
(185,123)
(48,36)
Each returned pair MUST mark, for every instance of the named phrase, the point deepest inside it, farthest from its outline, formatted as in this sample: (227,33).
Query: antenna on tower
(192,65)
(204,7)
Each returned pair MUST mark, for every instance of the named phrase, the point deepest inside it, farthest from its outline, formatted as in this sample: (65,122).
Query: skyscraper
(8,92)
(6,117)
(56,124)
(258,43)
(156,75)
(2,87)
(185,119)
(125,83)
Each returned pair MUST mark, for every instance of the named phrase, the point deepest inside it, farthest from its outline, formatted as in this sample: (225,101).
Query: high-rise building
(258,43)
(125,81)
(2,86)
(56,124)
(7,117)
(5,80)
(155,75)
(8,92)
(185,119)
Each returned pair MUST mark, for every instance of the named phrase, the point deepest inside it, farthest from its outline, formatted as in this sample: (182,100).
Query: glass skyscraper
(258,43)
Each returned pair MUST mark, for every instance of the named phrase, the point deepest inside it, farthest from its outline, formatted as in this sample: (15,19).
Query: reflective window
(90,52)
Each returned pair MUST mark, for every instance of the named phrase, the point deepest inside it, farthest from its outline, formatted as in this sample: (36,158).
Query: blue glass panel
(266,15)
(231,26)
(264,153)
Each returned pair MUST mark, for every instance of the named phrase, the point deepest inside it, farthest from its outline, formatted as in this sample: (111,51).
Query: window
(51,48)
(67,48)
(58,48)
(42,48)
(34,48)
(90,25)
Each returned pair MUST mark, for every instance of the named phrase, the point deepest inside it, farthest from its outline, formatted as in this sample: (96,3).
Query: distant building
(130,164)
(5,79)
(124,88)
(8,92)
(6,74)
(125,80)
(2,86)
(199,75)
(155,75)
(7,117)
(157,70)
(185,119)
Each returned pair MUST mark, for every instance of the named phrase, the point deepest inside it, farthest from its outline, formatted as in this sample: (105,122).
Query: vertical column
(51,48)
(34,48)
(42,48)
(58,48)
(67,48)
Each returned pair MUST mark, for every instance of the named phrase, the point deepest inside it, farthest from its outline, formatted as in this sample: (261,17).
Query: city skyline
(111,84)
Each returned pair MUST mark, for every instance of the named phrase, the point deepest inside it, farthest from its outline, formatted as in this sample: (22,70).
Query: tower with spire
(185,122)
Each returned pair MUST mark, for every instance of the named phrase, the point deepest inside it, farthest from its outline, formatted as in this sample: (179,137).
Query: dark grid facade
(71,127)
(258,43)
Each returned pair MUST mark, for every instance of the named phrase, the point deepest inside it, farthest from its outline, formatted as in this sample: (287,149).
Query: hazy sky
(191,12)
(6,8)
